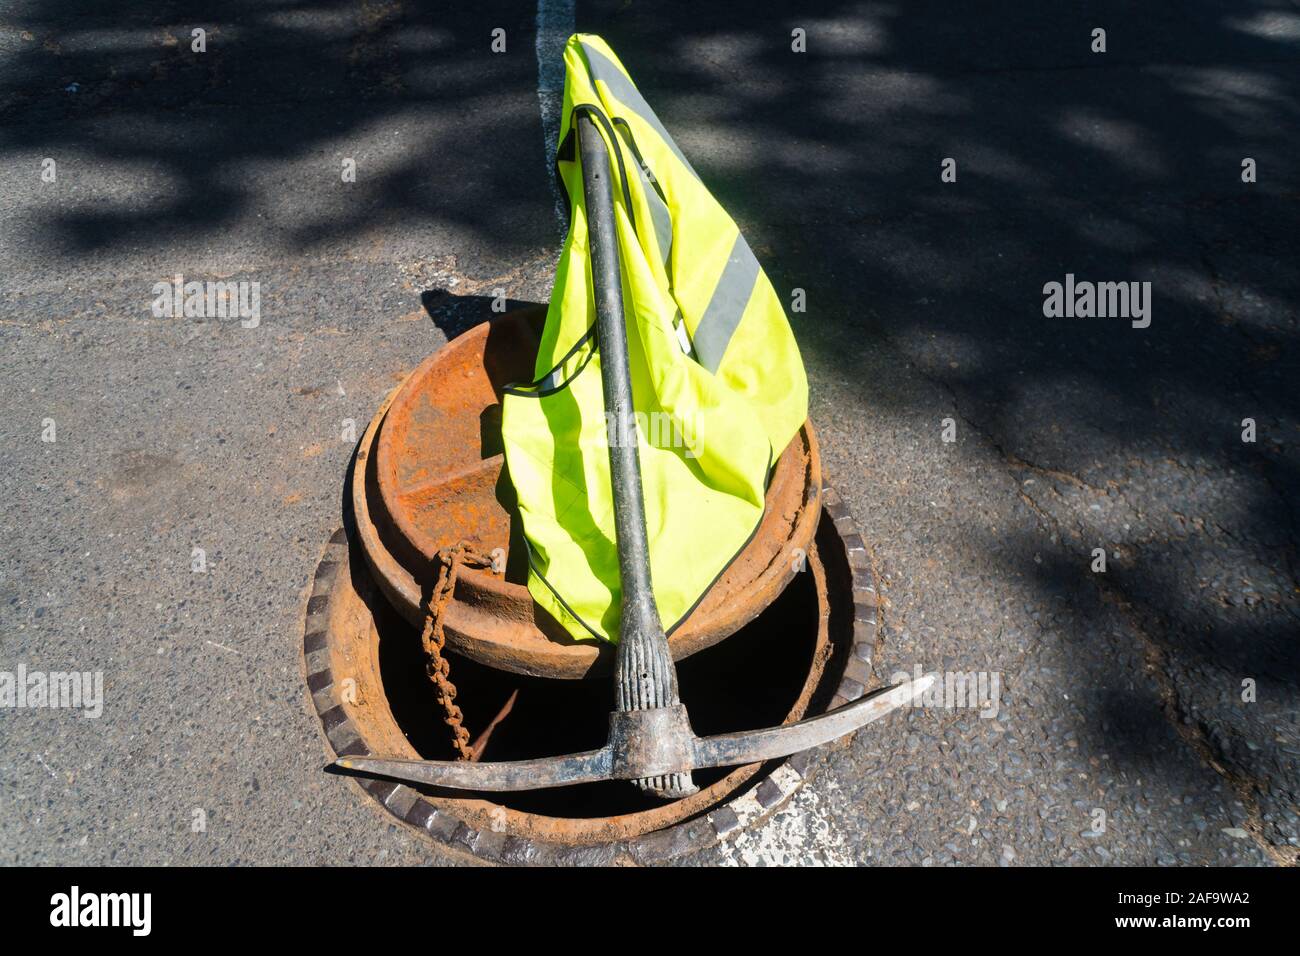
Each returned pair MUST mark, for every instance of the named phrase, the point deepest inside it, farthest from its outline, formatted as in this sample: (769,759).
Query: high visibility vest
(718,386)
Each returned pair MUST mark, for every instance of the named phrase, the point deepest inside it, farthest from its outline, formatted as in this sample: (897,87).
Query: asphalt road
(1121,692)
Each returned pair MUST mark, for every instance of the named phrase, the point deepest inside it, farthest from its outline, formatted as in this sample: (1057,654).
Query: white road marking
(802,833)
(554,25)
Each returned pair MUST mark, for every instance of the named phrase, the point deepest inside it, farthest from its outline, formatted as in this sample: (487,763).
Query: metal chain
(451,561)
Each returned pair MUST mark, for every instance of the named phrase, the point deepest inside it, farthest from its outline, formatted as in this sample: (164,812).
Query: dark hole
(748,681)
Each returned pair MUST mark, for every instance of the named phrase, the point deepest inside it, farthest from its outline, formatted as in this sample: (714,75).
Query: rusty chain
(451,561)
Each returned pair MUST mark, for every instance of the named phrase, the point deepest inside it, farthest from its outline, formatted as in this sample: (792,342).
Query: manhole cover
(429,475)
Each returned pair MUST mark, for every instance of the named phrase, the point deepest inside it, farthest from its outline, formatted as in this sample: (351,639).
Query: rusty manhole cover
(428,475)
(809,651)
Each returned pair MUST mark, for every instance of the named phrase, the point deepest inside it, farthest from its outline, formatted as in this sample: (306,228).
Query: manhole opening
(809,651)
(750,680)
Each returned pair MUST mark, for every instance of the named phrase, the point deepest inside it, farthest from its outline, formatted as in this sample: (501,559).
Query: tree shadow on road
(282,95)
(1122,166)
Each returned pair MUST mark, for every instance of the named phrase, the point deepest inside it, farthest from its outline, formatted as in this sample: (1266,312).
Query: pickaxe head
(652,745)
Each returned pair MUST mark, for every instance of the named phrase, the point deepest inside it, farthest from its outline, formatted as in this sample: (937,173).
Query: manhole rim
(750,805)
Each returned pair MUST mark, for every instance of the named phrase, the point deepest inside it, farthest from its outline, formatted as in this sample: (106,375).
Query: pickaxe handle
(644,674)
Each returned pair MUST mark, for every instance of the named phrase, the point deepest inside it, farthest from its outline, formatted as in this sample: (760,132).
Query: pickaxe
(650,737)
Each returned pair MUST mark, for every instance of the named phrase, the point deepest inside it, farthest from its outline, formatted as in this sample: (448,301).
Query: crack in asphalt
(1155,651)
(1156,654)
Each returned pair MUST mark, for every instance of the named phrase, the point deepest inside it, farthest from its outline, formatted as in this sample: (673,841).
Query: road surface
(1147,714)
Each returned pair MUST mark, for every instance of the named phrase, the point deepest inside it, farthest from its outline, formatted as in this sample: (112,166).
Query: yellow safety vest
(717,382)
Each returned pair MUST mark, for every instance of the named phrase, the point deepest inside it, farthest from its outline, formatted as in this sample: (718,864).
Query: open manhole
(808,651)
